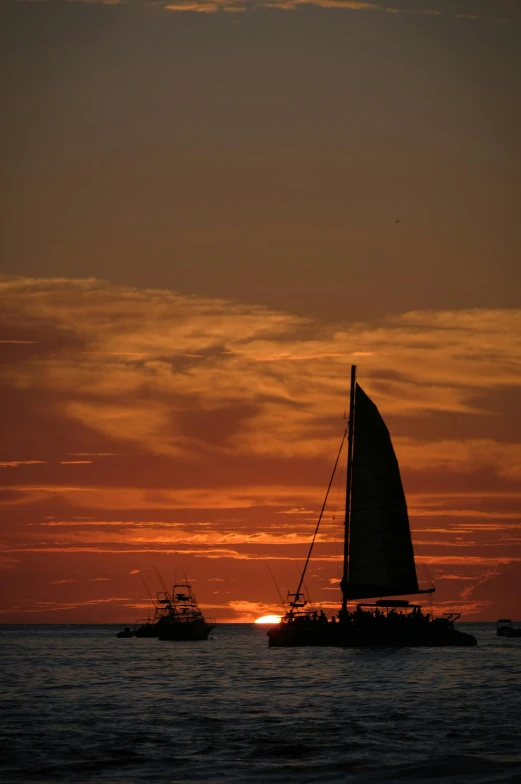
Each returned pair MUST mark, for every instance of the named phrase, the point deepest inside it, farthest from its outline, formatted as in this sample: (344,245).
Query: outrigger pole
(276,586)
(144,583)
(162,582)
(350,432)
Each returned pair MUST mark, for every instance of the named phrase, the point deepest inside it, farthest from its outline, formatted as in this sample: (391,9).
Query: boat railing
(190,617)
(451,617)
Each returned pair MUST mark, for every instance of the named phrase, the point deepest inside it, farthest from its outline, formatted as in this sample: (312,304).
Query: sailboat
(378,562)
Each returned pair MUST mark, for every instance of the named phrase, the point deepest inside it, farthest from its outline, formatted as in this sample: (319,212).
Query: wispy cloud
(232,340)
(16,463)
(243,6)
(98,2)
(247,612)
(415,11)
(7,562)
(54,606)
(161,536)
(214,6)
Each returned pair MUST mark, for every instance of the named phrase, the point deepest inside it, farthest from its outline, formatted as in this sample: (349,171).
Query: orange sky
(211,209)
(145,429)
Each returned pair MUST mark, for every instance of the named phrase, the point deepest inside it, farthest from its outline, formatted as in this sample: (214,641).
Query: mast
(350,432)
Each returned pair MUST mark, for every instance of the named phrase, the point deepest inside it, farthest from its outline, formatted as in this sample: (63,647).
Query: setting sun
(268,619)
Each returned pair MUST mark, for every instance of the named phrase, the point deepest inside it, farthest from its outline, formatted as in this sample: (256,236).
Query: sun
(268,619)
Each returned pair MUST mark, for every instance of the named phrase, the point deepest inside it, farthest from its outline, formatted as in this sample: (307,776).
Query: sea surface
(79,705)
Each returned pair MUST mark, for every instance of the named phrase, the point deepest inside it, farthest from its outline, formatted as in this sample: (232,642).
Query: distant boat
(504,628)
(176,616)
(162,607)
(378,555)
(182,619)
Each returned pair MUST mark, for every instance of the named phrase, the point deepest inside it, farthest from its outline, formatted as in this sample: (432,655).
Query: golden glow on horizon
(268,619)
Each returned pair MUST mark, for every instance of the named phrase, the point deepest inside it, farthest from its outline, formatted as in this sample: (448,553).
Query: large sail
(380,555)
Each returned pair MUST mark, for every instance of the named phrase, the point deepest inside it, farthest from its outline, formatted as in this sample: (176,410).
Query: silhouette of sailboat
(378,555)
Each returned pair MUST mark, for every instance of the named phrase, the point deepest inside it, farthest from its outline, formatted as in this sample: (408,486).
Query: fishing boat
(504,628)
(126,634)
(182,619)
(176,615)
(150,627)
(378,560)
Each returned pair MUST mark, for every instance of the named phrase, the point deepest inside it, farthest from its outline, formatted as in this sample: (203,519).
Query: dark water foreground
(79,705)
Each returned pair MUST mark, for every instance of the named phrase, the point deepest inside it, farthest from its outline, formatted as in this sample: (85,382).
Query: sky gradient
(211,210)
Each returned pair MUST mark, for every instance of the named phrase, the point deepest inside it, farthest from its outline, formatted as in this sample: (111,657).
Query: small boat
(182,619)
(504,628)
(378,559)
(126,633)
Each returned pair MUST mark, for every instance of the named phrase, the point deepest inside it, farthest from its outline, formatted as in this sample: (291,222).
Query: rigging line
(320,517)
(338,528)
(276,586)
(426,571)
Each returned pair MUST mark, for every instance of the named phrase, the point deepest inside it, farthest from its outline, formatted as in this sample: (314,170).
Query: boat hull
(430,636)
(148,630)
(126,634)
(196,630)
(506,631)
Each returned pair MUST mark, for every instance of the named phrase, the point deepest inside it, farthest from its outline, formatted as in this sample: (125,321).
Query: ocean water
(79,705)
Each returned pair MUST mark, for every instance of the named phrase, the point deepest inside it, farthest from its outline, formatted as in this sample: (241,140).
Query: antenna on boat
(276,586)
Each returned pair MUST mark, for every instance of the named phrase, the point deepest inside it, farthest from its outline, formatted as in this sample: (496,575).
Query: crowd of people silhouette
(374,617)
